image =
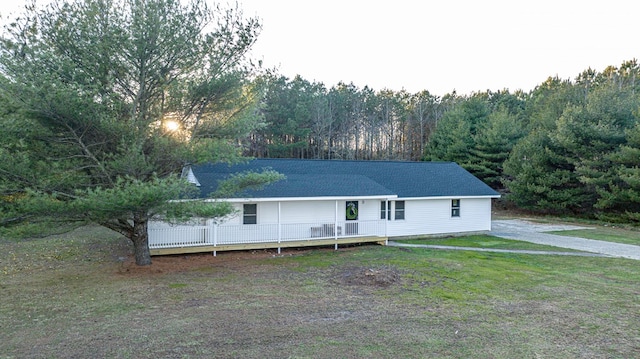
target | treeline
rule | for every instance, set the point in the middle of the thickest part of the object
(306, 120)
(568, 146)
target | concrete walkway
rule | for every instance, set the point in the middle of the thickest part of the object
(533, 232)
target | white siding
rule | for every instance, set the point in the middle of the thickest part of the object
(433, 216)
(267, 212)
(325, 211)
(312, 219)
(424, 216)
(308, 212)
(369, 209)
(237, 217)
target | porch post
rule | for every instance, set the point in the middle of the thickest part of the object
(215, 236)
(387, 218)
(279, 226)
(335, 226)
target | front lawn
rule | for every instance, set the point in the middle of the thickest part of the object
(79, 295)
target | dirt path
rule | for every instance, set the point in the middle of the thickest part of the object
(534, 232)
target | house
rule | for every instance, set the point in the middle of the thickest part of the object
(331, 202)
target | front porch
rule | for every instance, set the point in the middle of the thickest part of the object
(223, 237)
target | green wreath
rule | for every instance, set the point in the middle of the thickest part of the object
(352, 211)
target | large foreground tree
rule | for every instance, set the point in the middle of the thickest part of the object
(107, 101)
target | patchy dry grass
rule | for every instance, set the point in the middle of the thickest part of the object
(79, 295)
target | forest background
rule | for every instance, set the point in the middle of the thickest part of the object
(565, 147)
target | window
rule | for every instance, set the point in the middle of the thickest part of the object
(383, 209)
(399, 210)
(250, 213)
(455, 208)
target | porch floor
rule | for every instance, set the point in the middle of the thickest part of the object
(267, 245)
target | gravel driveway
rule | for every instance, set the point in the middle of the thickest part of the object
(534, 232)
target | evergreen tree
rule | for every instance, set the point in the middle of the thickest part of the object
(539, 174)
(493, 145)
(539, 177)
(454, 137)
(116, 97)
(287, 114)
(605, 140)
(619, 187)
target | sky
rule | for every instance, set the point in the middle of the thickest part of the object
(440, 46)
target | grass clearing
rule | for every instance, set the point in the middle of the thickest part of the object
(79, 295)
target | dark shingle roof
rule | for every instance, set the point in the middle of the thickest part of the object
(331, 178)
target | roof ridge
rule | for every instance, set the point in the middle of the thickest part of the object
(349, 160)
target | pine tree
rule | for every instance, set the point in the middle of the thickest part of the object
(116, 97)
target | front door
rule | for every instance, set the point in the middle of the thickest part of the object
(351, 215)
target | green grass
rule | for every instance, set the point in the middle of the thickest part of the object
(484, 241)
(619, 235)
(73, 296)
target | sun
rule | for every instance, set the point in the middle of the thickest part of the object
(171, 125)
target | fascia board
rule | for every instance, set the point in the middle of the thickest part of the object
(299, 199)
(448, 197)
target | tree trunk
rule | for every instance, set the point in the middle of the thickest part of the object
(140, 239)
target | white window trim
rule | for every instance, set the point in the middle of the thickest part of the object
(452, 207)
(244, 214)
(404, 211)
(383, 212)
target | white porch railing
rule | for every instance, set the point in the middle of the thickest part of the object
(200, 235)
